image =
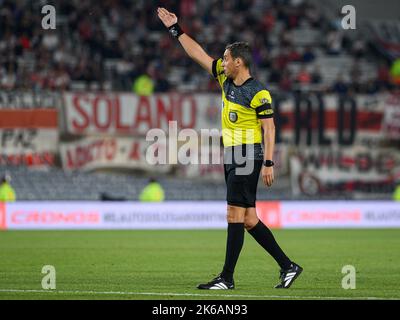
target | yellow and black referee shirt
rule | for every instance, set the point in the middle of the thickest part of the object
(242, 107)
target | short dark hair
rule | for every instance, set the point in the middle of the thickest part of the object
(240, 50)
(5, 178)
(152, 180)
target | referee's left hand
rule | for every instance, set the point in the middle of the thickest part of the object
(267, 174)
(168, 18)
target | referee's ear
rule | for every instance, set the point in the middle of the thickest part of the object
(238, 61)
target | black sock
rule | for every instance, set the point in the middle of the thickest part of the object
(234, 244)
(266, 239)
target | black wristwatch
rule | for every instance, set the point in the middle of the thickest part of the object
(268, 163)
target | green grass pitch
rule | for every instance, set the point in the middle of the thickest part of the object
(169, 264)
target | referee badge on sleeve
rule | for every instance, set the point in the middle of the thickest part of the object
(233, 116)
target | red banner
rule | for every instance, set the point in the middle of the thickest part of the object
(33, 118)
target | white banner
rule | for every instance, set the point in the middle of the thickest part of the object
(330, 214)
(21, 141)
(94, 153)
(113, 215)
(195, 215)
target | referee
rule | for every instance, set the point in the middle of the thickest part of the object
(246, 112)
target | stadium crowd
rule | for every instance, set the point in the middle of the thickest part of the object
(114, 42)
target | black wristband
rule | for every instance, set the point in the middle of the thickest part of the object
(268, 163)
(175, 30)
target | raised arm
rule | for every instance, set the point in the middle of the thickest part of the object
(192, 48)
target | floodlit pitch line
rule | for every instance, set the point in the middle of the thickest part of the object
(190, 294)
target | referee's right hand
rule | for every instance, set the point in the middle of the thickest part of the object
(168, 18)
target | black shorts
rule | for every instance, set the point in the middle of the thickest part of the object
(242, 176)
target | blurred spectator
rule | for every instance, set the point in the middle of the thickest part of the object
(371, 87)
(8, 77)
(187, 8)
(95, 44)
(355, 78)
(50, 40)
(316, 76)
(355, 72)
(268, 21)
(308, 55)
(383, 75)
(275, 74)
(334, 42)
(340, 86)
(395, 71)
(265, 59)
(125, 73)
(314, 16)
(303, 77)
(336, 23)
(293, 55)
(152, 192)
(61, 78)
(143, 85)
(358, 48)
(396, 194)
(290, 15)
(282, 60)
(162, 84)
(285, 83)
(285, 38)
(7, 192)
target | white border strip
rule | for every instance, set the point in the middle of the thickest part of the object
(191, 294)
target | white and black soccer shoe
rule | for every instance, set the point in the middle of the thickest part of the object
(288, 276)
(217, 283)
